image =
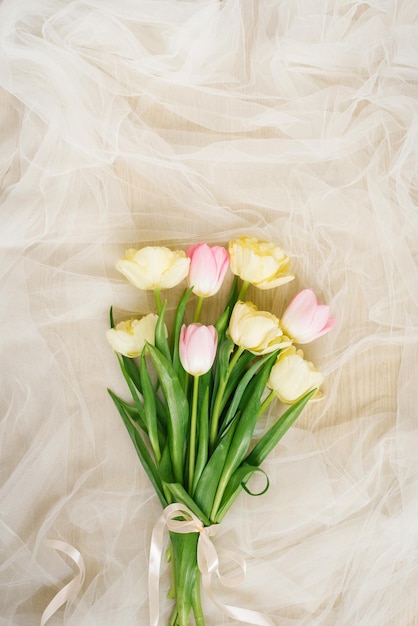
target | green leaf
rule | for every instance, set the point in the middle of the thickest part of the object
(166, 472)
(258, 493)
(271, 438)
(132, 411)
(142, 451)
(241, 388)
(132, 388)
(235, 485)
(181, 496)
(165, 467)
(161, 413)
(161, 340)
(178, 321)
(203, 439)
(236, 375)
(259, 454)
(150, 408)
(177, 407)
(207, 486)
(248, 419)
(205, 382)
(221, 369)
(244, 430)
(132, 371)
(223, 322)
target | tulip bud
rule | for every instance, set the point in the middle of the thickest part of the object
(129, 337)
(262, 264)
(304, 319)
(208, 266)
(256, 331)
(291, 377)
(154, 267)
(197, 348)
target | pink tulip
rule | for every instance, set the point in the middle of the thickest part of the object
(197, 348)
(304, 319)
(208, 267)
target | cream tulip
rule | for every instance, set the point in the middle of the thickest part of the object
(256, 331)
(129, 337)
(262, 264)
(292, 376)
(154, 267)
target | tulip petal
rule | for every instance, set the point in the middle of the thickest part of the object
(292, 377)
(130, 271)
(152, 261)
(304, 319)
(208, 267)
(175, 274)
(262, 264)
(328, 326)
(277, 282)
(129, 337)
(197, 348)
(320, 318)
(154, 267)
(302, 308)
(256, 331)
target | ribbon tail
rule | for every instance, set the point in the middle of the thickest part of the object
(156, 550)
(242, 615)
(73, 587)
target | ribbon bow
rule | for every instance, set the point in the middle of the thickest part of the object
(207, 561)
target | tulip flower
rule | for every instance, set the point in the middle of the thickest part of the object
(129, 337)
(254, 330)
(261, 264)
(304, 319)
(197, 348)
(292, 376)
(208, 266)
(154, 267)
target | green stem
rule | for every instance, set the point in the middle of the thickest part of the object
(167, 494)
(267, 402)
(192, 448)
(169, 558)
(173, 618)
(234, 360)
(186, 573)
(215, 415)
(218, 498)
(197, 605)
(218, 400)
(158, 302)
(186, 384)
(243, 290)
(198, 309)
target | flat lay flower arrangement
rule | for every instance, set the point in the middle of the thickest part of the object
(198, 392)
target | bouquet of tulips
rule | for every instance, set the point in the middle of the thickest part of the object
(197, 393)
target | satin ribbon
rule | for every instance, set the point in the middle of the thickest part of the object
(207, 561)
(73, 587)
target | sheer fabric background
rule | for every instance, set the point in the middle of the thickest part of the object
(179, 121)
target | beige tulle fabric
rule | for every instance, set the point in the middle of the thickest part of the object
(134, 122)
